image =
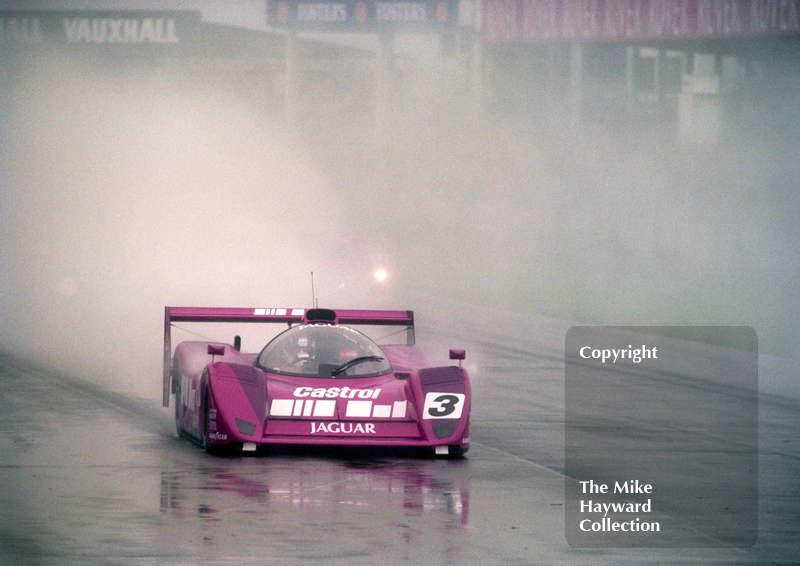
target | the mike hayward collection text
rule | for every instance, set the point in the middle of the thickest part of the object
(606, 523)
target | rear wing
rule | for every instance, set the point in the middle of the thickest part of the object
(272, 315)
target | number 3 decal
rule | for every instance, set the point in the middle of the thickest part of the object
(443, 405)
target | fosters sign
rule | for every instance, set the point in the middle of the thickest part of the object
(363, 14)
(107, 29)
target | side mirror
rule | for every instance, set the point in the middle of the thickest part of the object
(458, 354)
(216, 350)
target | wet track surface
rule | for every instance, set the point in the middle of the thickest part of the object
(92, 477)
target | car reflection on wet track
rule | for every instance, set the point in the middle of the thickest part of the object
(262, 487)
(311, 506)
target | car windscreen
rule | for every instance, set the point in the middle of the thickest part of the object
(323, 351)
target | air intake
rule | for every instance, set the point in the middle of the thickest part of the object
(317, 316)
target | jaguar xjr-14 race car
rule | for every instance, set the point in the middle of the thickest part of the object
(319, 382)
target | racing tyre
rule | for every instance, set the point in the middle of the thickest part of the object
(454, 452)
(209, 447)
(178, 427)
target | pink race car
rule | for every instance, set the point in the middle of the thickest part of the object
(320, 382)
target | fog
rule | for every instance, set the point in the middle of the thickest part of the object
(124, 194)
(126, 189)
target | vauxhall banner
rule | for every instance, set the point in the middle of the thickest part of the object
(115, 30)
(635, 20)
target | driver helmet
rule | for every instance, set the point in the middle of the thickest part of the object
(305, 345)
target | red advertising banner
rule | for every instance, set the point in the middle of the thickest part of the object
(629, 20)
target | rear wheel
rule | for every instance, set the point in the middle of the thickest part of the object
(178, 426)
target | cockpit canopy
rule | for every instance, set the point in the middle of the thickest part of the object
(326, 351)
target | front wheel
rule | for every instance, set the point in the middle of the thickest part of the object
(210, 447)
(453, 451)
(207, 446)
